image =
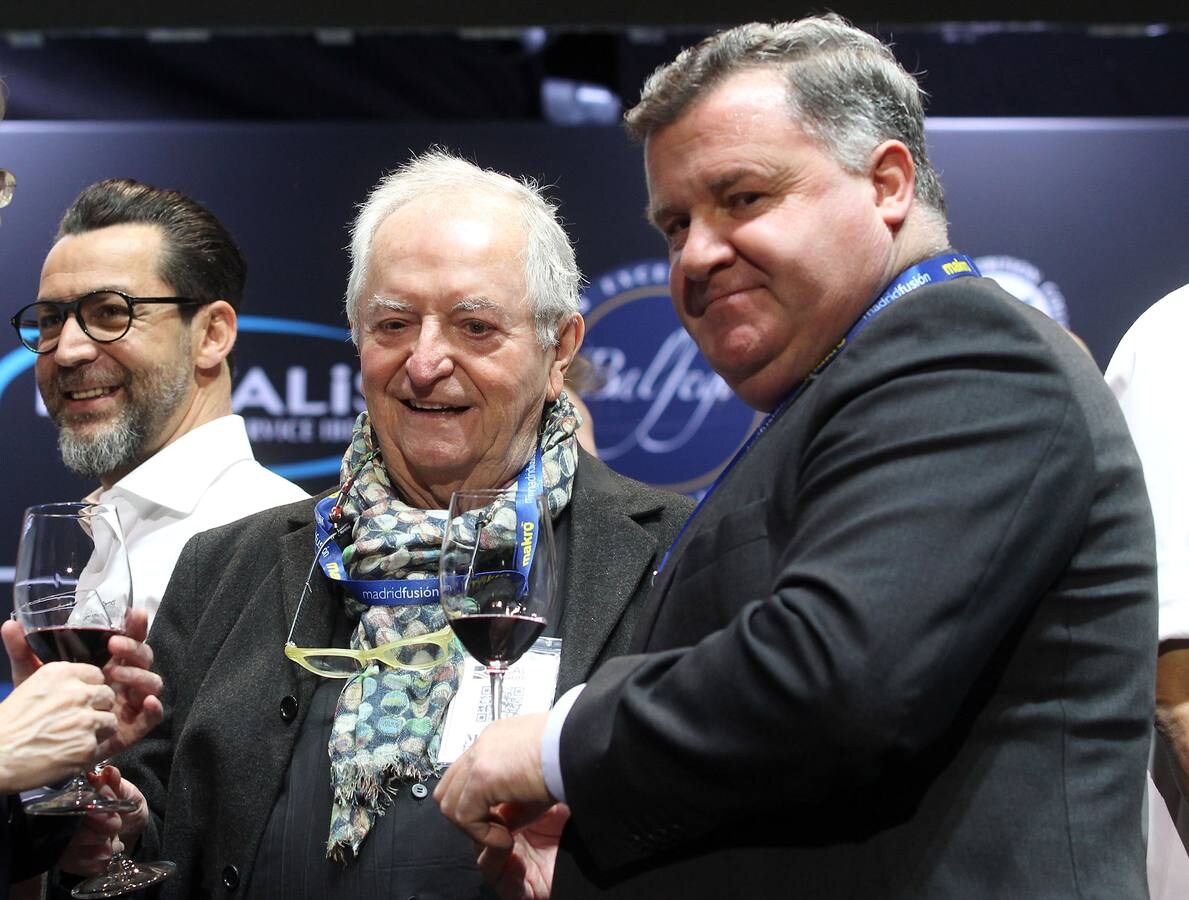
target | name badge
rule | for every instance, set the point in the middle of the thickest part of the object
(529, 686)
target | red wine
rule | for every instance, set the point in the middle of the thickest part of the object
(85, 645)
(492, 638)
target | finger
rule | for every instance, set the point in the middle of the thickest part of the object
(136, 624)
(103, 697)
(22, 661)
(493, 863)
(152, 712)
(149, 716)
(138, 682)
(446, 793)
(516, 815)
(107, 774)
(84, 672)
(102, 825)
(455, 800)
(127, 651)
(86, 858)
(105, 725)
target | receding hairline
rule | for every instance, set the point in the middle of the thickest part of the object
(507, 201)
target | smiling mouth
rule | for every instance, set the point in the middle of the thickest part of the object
(433, 407)
(90, 394)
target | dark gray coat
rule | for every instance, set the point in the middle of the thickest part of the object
(906, 650)
(234, 704)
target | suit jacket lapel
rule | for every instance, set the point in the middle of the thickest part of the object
(609, 557)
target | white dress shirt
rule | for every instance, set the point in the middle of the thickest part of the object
(1148, 374)
(206, 478)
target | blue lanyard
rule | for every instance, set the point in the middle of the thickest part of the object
(945, 267)
(421, 591)
(528, 486)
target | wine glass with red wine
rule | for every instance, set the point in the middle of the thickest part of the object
(71, 589)
(498, 576)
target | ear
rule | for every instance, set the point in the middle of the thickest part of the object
(215, 327)
(894, 178)
(569, 339)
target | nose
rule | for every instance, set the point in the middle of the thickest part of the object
(74, 347)
(706, 250)
(430, 357)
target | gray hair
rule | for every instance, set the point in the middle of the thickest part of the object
(551, 275)
(845, 89)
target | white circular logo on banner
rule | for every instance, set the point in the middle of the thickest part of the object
(1025, 282)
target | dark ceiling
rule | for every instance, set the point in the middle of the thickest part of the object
(67, 14)
(266, 59)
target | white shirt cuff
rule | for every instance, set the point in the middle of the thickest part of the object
(551, 742)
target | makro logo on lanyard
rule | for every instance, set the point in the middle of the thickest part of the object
(420, 591)
(945, 267)
(528, 486)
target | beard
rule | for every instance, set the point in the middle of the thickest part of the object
(122, 443)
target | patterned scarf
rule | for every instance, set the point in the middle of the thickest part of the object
(387, 726)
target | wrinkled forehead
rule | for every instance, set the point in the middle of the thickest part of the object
(446, 267)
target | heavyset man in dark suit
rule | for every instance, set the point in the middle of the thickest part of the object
(904, 647)
(463, 302)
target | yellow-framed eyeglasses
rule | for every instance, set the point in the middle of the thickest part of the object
(412, 653)
(423, 651)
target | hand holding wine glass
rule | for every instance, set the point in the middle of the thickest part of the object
(498, 576)
(72, 596)
(71, 591)
(52, 725)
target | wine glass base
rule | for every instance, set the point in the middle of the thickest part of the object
(75, 803)
(123, 876)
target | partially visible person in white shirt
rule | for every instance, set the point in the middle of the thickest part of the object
(1148, 374)
(134, 324)
(206, 478)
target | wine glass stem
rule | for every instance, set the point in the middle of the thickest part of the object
(496, 674)
(81, 787)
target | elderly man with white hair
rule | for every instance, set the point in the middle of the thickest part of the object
(463, 303)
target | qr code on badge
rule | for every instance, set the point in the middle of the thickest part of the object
(513, 699)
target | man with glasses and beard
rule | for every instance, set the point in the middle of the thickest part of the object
(134, 324)
(62, 716)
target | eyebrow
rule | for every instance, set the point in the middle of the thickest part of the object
(718, 186)
(476, 303)
(388, 303)
(466, 304)
(99, 290)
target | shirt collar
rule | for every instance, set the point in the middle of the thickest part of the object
(177, 475)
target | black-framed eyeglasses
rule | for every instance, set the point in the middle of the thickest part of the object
(104, 316)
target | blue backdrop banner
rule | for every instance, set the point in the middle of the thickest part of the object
(1085, 219)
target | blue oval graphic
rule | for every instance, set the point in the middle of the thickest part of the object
(661, 414)
(298, 406)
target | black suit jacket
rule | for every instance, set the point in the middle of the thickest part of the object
(213, 769)
(28, 844)
(905, 650)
